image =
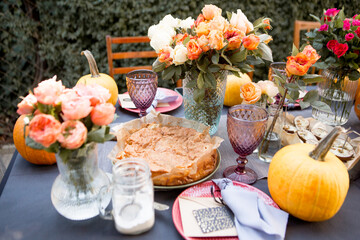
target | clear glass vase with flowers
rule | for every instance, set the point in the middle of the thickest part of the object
(289, 85)
(338, 43)
(70, 122)
(202, 51)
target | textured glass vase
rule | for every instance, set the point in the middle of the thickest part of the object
(74, 192)
(208, 110)
(338, 92)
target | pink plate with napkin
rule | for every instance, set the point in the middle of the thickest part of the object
(170, 106)
(203, 190)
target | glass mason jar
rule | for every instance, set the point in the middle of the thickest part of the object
(74, 192)
(338, 92)
(208, 111)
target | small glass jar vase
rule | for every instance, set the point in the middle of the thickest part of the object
(74, 192)
(208, 110)
(338, 92)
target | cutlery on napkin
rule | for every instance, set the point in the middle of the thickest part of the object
(254, 219)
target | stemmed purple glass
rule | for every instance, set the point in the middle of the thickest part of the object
(142, 86)
(246, 125)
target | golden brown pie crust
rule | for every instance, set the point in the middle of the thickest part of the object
(176, 155)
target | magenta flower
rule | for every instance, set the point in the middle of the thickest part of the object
(349, 36)
(331, 12)
(357, 31)
(347, 24)
(356, 23)
(324, 27)
(354, 16)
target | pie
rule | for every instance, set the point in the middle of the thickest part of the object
(176, 155)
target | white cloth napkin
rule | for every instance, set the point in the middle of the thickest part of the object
(254, 219)
(161, 97)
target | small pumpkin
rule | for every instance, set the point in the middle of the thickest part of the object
(232, 92)
(357, 101)
(39, 157)
(99, 78)
(309, 182)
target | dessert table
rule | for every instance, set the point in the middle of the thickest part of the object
(26, 211)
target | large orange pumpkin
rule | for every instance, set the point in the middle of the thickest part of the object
(307, 182)
(40, 157)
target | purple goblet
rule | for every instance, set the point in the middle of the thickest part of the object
(246, 125)
(142, 86)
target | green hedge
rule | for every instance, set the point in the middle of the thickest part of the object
(42, 38)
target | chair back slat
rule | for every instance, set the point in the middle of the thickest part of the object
(303, 25)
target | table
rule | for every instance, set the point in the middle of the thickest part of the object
(26, 211)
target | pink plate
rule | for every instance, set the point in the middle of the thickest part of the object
(203, 190)
(173, 105)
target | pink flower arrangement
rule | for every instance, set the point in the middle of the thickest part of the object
(341, 36)
(61, 118)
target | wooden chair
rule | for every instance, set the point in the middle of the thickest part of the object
(125, 55)
(303, 25)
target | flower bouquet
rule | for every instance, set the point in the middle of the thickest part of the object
(69, 122)
(338, 43)
(201, 52)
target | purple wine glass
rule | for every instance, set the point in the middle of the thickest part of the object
(246, 125)
(142, 86)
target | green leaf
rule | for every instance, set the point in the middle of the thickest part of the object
(258, 21)
(228, 15)
(281, 75)
(191, 84)
(226, 58)
(199, 95)
(354, 75)
(280, 79)
(210, 78)
(351, 55)
(294, 94)
(315, 17)
(215, 57)
(304, 105)
(266, 52)
(169, 72)
(203, 64)
(245, 68)
(35, 145)
(97, 135)
(200, 81)
(292, 86)
(186, 40)
(311, 34)
(321, 65)
(311, 96)
(317, 45)
(158, 66)
(252, 60)
(312, 78)
(239, 56)
(214, 68)
(294, 51)
(321, 106)
(236, 73)
(65, 154)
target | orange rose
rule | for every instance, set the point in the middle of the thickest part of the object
(298, 65)
(103, 114)
(267, 21)
(311, 53)
(203, 29)
(203, 43)
(199, 19)
(73, 134)
(165, 55)
(250, 93)
(234, 36)
(210, 11)
(216, 39)
(179, 38)
(194, 50)
(44, 129)
(251, 42)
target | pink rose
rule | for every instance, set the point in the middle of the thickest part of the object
(357, 31)
(44, 129)
(354, 16)
(103, 114)
(349, 36)
(48, 91)
(340, 49)
(347, 24)
(331, 44)
(332, 12)
(73, 134)
(94, 92)
(26, 106)
(356, 22)
(66, 95)
(76, 108)
(324, 27)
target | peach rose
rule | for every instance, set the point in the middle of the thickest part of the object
(240, 21)
(298, 65)
(199, 19)
(103, 114)
(268, 87)
(311, 53)
(251, 42)
(250, 93)
(210, 11)
(194, 50)
(165, 55)
(66, 95)
(73, 134)
(44, 129)
(216, 39)
(76, 108)
(95, 93)
(48, 91)
(203, 43)
(27, 105)
(218, 23)
(179, 38)
(203, 29)
(180, 54)
(234, 36)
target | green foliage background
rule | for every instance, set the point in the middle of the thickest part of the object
(40, 39)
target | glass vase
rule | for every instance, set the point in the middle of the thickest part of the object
(75, 191)
(208, 110)
(338, 92)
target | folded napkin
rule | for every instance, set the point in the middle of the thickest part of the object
(161, 97)
(254, 219)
